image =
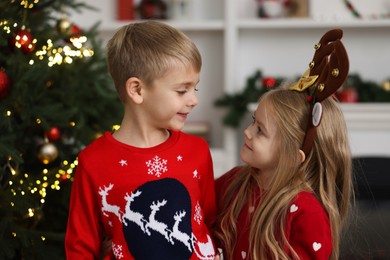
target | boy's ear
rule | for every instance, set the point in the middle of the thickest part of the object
(133, 89)
(301, 156)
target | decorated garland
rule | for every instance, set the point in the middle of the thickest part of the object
(357, 14)
(354, 90)
(237, 103)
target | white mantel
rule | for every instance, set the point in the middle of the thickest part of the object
(369, 128)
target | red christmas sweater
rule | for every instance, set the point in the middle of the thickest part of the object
(153, 203)
(307, 229)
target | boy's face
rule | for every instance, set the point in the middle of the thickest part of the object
(171, 98)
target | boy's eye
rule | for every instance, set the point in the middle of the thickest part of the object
(182, 92)
(253, 119)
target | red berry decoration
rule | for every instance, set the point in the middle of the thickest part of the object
(53, 134)
(269, 82)
(348, 95)
(23, 40)
(4, 84)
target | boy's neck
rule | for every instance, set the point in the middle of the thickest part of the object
(145, 139)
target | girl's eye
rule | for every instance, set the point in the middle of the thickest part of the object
(181, 92)
(253, 120)
(258, 129)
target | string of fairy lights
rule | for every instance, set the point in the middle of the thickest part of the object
(73, 48)
(58, 52)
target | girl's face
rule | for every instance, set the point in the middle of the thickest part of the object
(171, 98)
(260, 147)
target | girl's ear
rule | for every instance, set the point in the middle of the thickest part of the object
(133, 89)
(301, 156)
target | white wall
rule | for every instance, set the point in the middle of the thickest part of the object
(278, 52)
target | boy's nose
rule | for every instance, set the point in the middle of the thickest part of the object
(193, 101)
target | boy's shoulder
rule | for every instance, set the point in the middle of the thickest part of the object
(97, 147)
(189, 141)
(190, 138)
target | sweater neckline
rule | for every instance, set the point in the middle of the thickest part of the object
(172, 139)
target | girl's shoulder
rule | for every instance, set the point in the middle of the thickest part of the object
(222, 182)
(226, 178)
(306, 203)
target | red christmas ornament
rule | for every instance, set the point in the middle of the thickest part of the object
(74, 32)
(53, 134)
(24, 40)
(348, 95)
(269, 82)
(4, 84)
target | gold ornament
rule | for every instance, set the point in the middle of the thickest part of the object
(335, 72)
(64, 25)
(386, 85)
(48, 152)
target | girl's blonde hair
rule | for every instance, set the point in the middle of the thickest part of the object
(327, 172)
(147, 50)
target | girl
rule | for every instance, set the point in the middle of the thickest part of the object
(291, 199)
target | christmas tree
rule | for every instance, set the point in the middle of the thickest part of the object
(56, 97)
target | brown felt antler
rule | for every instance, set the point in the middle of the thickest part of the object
(327, 72)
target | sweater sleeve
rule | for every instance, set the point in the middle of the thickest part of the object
(310, 235)
(84, 230)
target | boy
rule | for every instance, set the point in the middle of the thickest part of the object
(148, 187)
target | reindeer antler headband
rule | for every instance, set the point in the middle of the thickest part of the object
(327, 72)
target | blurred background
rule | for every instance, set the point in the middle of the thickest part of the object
(56, 97)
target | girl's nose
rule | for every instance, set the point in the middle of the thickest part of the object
(247, 132)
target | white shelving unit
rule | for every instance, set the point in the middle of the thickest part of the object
(234, 43)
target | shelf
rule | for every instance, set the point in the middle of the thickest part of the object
(282, 23)
(306, 23)
(185, 25)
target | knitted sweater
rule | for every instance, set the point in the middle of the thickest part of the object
(307, 225)
(152, 203)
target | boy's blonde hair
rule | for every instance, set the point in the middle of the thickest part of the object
(147, 50)
(327, 172)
